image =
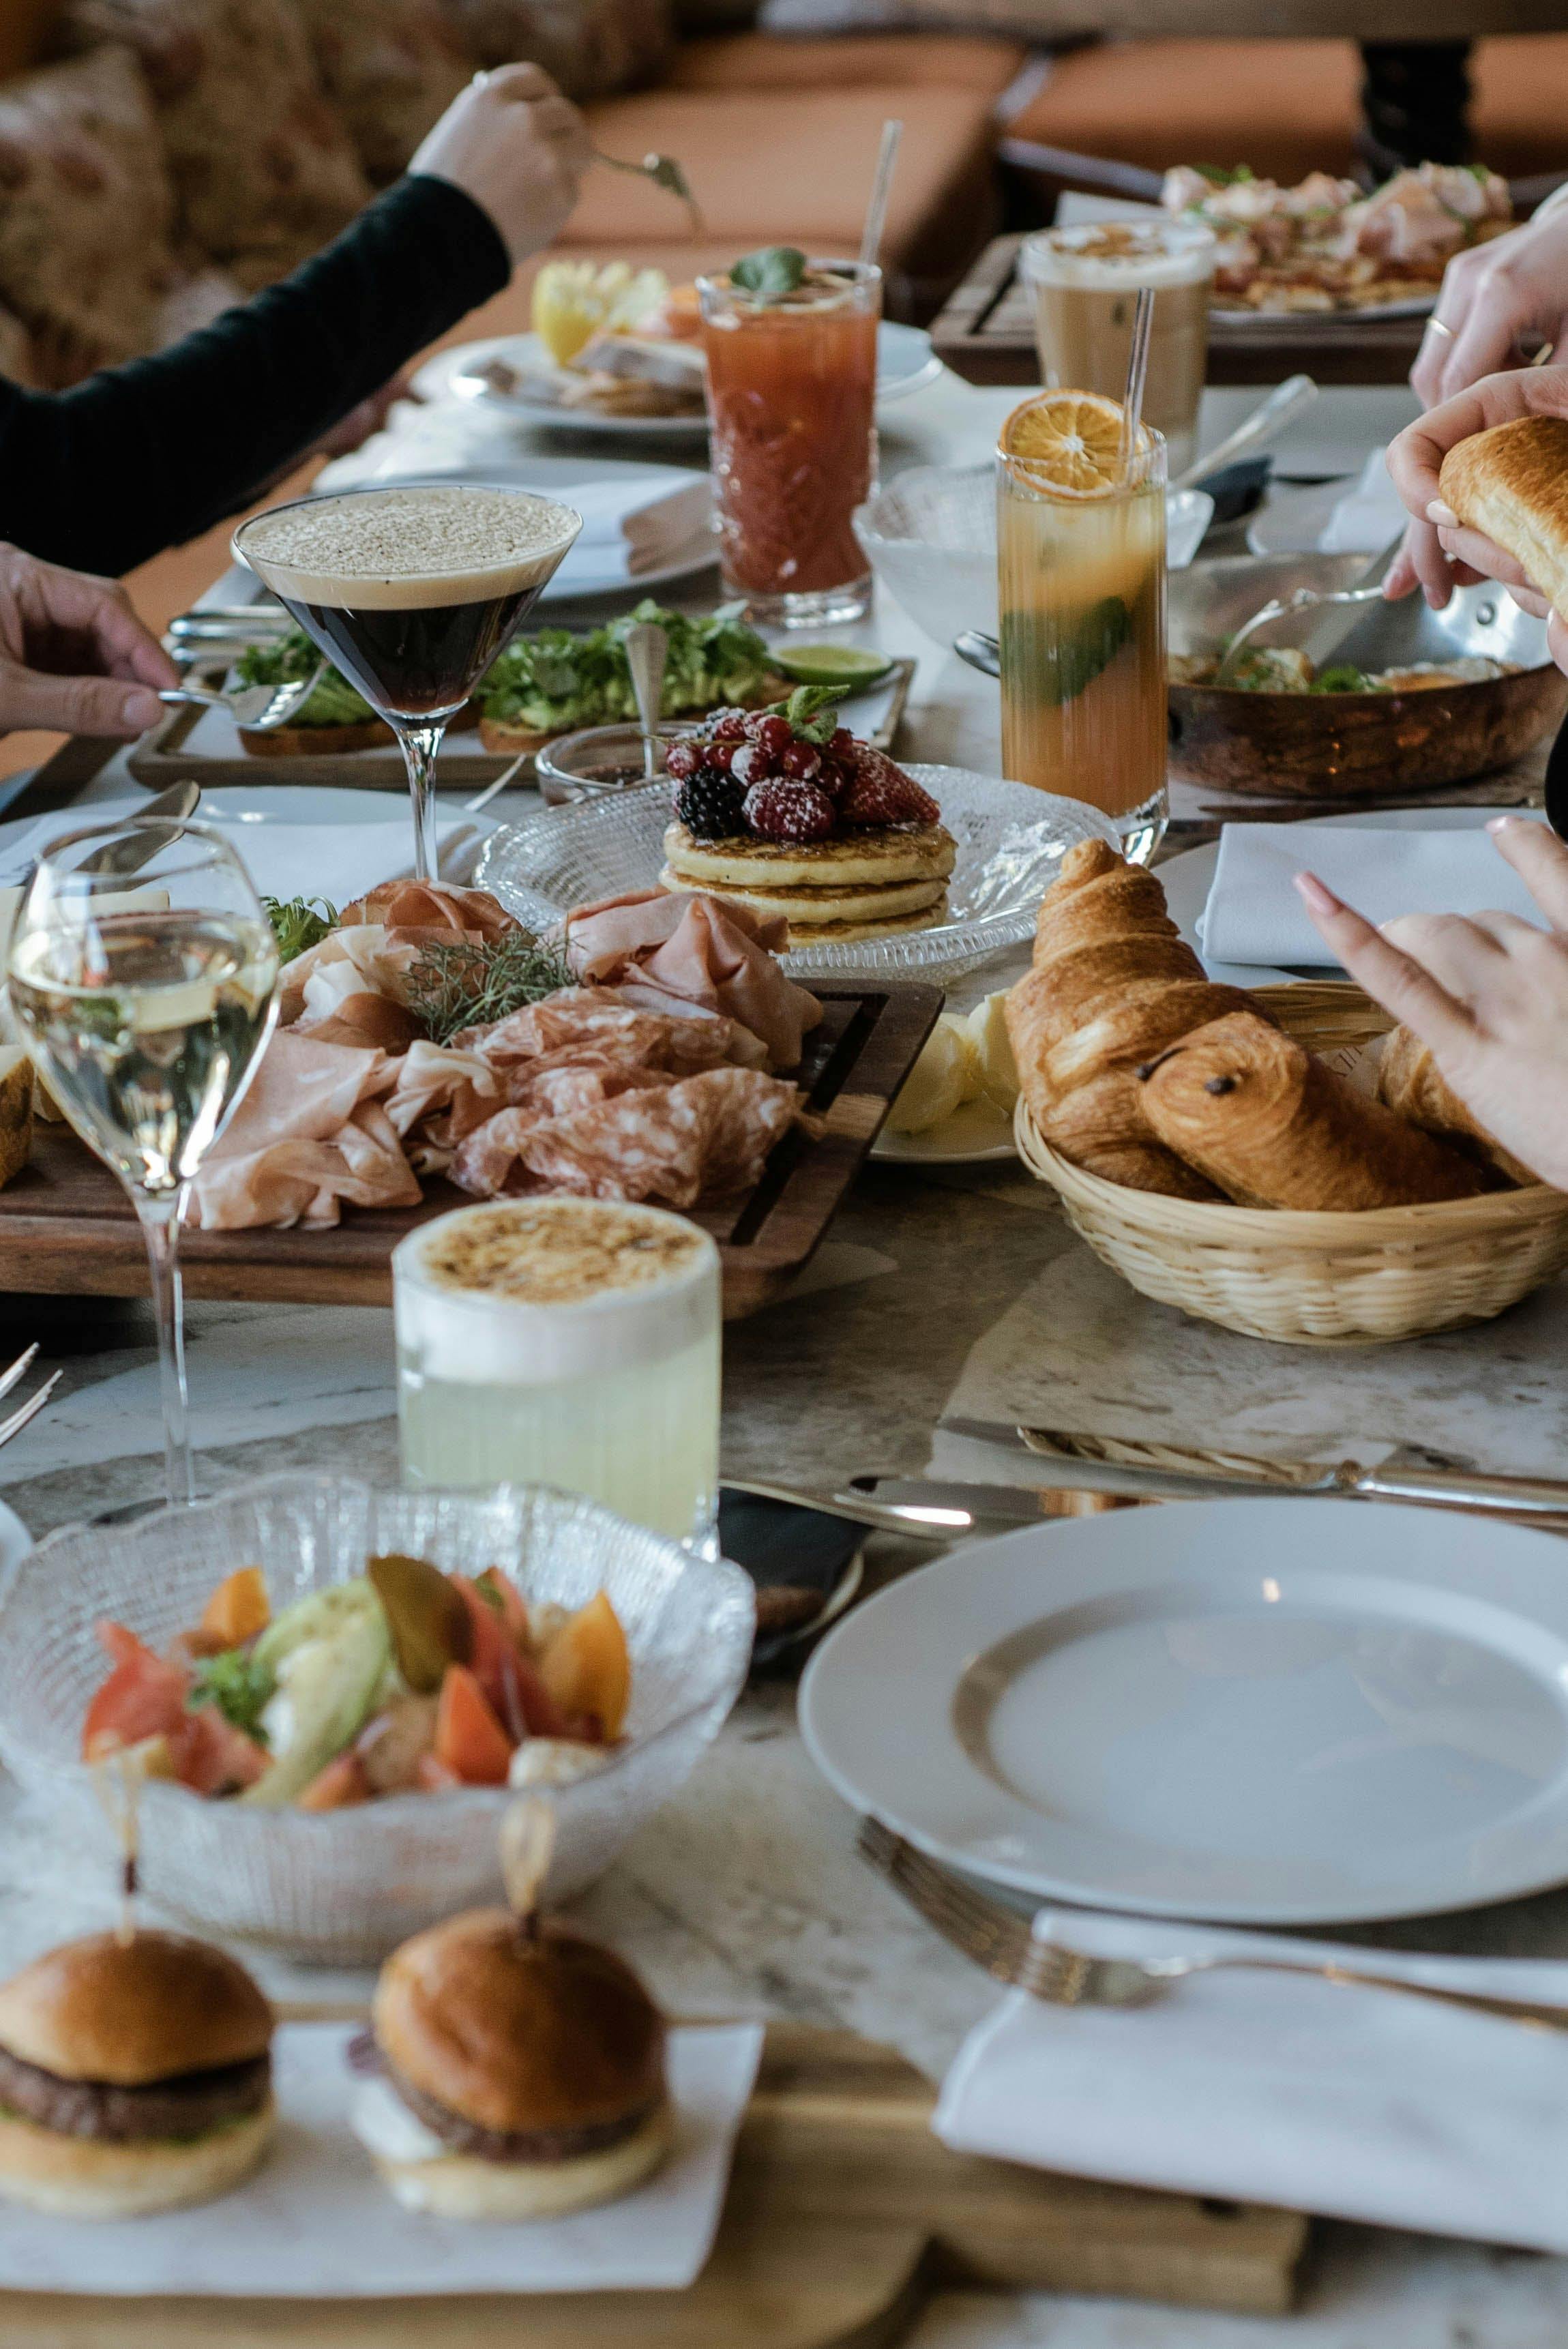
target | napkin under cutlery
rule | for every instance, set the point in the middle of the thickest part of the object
(1333, 2097)
(1253, 914)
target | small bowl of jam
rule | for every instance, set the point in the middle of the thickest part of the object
(602, 759)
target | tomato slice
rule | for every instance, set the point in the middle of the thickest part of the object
(144, 1696)
(510, 1679)
(212, 1757)
(341, 1783)
(468, 1738)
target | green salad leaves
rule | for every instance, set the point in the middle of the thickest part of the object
(335, 702)
(551, 681)
(300, 923)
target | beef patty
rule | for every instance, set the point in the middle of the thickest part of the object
(511, 2145)
(185, 2106)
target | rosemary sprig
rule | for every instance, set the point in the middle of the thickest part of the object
(457, 983)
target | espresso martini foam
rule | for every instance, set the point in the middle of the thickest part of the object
(410, 592)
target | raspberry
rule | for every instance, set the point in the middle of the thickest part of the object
(772, 733)
(881, 793)
(779, 810)
(711, 805)
(683, 758)
(801, 760)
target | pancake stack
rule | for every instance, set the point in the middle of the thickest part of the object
(860, 884)
(785, 812)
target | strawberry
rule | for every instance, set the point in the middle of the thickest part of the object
(776, 808)
(879, 793)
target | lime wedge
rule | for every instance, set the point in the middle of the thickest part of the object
(846, 665)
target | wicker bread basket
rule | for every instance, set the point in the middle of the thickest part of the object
(1316, 1279)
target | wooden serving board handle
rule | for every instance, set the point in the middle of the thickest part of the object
(843, 2213)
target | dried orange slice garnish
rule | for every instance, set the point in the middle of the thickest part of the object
(1070, 440)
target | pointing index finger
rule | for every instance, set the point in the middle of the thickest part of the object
(1394, 979)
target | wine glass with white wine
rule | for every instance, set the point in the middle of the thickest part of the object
(143, 973)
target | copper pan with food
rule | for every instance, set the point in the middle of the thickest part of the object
(1412, 699)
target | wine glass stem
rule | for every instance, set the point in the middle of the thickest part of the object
(421, 745)
(160, 1213)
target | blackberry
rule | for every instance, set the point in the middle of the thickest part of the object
(709, 804)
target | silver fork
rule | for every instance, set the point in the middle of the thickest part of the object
(35, 1403)
(1000, 1941)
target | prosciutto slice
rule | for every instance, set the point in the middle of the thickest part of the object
(663, 949)
(310, 1133)
(591, 1019)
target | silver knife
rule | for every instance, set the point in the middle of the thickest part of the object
(178, 803)
(920, 1507)
(1439, 1487)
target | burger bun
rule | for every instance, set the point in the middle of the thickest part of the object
(88, 2177)
(460, 2186)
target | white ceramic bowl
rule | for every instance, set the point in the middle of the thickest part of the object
(344, 1887)
(930, 536)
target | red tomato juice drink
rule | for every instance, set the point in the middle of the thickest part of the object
(791, 390)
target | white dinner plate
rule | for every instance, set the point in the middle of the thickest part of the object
(972, 1136)
(1257, 1711)
(15, 1541)
(1187, 879)
(905, 363)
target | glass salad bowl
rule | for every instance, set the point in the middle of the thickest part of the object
(344, 1887)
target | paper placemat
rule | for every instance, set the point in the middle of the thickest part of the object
(316, 2222)
(1082, 1352)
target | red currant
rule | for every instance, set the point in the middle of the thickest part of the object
(683, 758)
(728, 724)
(747, 762)
(800, 760)
(843, 745)
(773, 734)
(718, 753)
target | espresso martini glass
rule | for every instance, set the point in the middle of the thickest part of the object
(411, 590)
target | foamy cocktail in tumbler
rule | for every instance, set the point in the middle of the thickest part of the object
(411, 591)
(572, 1342)
(791, 348)
(1080, 583)
(1086, 281)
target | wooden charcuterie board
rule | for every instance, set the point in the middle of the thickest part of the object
(66, 1228)
(844, 2213)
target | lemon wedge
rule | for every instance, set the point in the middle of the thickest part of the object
(944, 1077)
(574, 301)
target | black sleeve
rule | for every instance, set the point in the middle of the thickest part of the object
(147, 455)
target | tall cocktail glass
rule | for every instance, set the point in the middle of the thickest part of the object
(792, 394)
(1085, 282)
(411, 591)
(564, 1342)
(1081, 590)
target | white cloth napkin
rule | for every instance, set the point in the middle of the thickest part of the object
(1367, 517)
(336, 861)
(1254, 915)
(630, 527)
(317, 2221)
(1355, 2103)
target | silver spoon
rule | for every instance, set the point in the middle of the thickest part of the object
(1326, 638)
(647, 647)
(482, 799)
(257, 707)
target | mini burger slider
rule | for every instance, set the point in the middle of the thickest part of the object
(135, 2075)
(521, 2072)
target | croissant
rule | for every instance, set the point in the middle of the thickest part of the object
(1273, 1126)
(1113, 985)
(1410, 1081)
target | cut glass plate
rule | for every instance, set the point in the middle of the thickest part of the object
(1011, 840)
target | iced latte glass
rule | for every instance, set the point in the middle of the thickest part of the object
(1086, 281)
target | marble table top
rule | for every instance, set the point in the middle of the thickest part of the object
(744, 1894)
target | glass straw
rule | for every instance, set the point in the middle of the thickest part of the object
(1137, 375)
(882, 188)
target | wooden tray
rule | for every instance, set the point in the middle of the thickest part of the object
(159, 759)
(985, 333)
(844, 2213)
(66, 1228)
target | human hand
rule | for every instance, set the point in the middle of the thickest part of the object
(1490, 997)
(518, 147)
(1493, 294)
(1438, 554)
(74, 657)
